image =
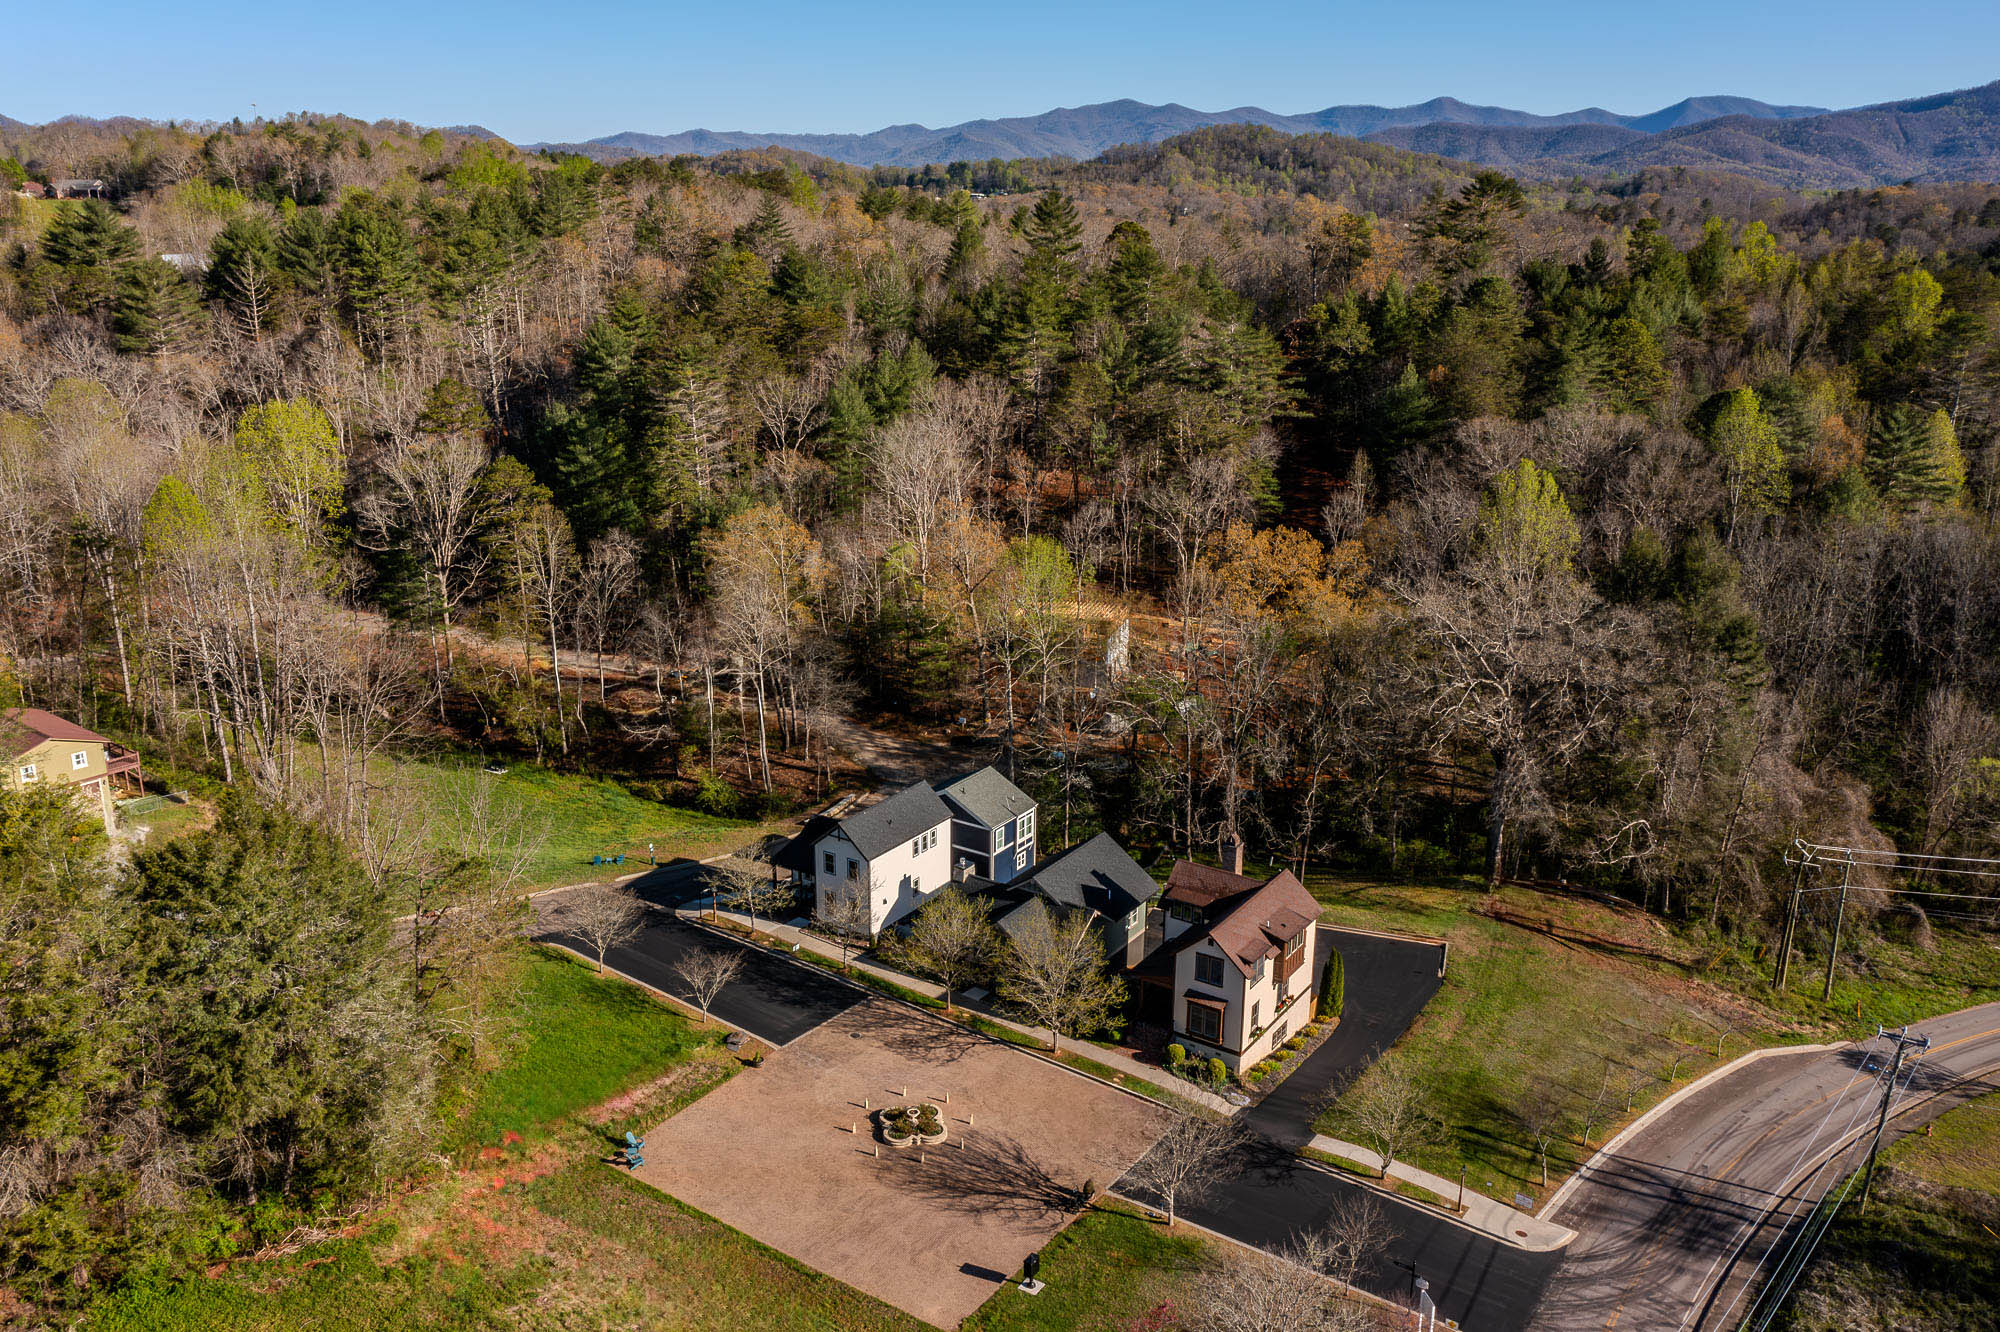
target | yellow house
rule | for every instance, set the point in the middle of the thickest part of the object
(42, 748)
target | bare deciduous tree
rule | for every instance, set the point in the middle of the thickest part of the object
(1186, 1163)
(749, 883)
(1389, 1108)
(1307, 1286)
(706, 972)
(603, 916)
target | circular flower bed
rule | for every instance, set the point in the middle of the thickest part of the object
(903, 1125)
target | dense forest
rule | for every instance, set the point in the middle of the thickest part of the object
(1610, 530)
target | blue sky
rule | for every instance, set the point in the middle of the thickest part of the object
(591, 67)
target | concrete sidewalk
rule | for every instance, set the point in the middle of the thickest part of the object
(1483, 1214)
(803, 941)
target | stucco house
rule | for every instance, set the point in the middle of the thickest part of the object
(44, 749)
(895, 854)
(992, 825)
(1236, 970)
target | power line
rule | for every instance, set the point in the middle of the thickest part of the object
(1890, 1094)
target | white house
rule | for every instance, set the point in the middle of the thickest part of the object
(992, 825)
(1242, 972)
(895, 853)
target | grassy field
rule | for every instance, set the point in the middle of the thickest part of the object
(1925, 1256)
(1566, 1010)
(543, 1235)
(573, 1041)
(582, 817)
(1110, 1270)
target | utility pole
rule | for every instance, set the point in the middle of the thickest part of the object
(1839, 917)
(1791, 926)
(1903, 1041)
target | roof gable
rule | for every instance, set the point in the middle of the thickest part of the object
(1205, 885)
(987, 797)
(21, 729)
(1262, 923)
(1098, 874)
(883, 826)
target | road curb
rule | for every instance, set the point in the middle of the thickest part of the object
(1570, 1185)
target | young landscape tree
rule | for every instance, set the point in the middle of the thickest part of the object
(1186, 1164)
(603, 916)
(1054, 972)
(707, 972)
(952, 939)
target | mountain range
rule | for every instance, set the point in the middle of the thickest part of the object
(1086, 131)
(1945, 136)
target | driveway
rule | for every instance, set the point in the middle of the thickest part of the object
(1270, 1196)
(773, 999)
(1388, 983)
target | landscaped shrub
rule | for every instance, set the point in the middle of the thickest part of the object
(1218, 1072)
(1176, 1056)
(1296, 1043)
(1333, 987)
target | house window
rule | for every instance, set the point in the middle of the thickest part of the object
(79, 760)
(916, 884)
(1021, 858)
(27, 772)
(1256, 1015)
(1278, 1033)
(1026, 824)
(1208, 969)
(827, 858)
(853, 868)
(1204, 1021)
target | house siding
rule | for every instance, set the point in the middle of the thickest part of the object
(54, 765)
(897, 882)
(1239, 1045)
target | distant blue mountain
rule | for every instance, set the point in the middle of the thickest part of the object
(1086, 131)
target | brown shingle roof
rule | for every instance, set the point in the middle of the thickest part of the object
(21, 729)
(1204, 885)
(1261, 924)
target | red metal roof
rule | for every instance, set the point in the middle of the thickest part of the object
(29, 727)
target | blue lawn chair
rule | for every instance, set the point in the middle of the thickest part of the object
(620, 859)
(597, 860)
(633, 1143)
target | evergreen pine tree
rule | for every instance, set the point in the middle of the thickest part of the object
(156, 308)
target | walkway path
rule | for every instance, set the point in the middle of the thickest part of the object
(1482, 1213)
(798, 939)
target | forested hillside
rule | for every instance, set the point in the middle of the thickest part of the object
(1618, 530)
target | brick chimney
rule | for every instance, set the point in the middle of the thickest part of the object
(1229, 853)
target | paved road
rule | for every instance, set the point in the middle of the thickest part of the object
(772, 999)
(1388, 983)
(1679, 1220)
(1270, 1196)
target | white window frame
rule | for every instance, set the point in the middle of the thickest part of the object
(28, 773)
(79, 760)
(1021, 857)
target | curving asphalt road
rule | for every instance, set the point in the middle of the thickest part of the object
(1680, 1219)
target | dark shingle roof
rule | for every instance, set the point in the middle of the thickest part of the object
(797, 854)
(878, 829)
(987, 796)
(1016, 919)
(1097, 874)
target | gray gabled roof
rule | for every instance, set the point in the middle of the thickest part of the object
(1097, 874)
(878, 829)
(987, 797)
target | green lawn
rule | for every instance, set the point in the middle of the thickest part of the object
(1563, 1002)
(1925, 1256)
(1962, 1150)
(1111, 1270)
(575, 1039)
(582, 817)
(684, 1269)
